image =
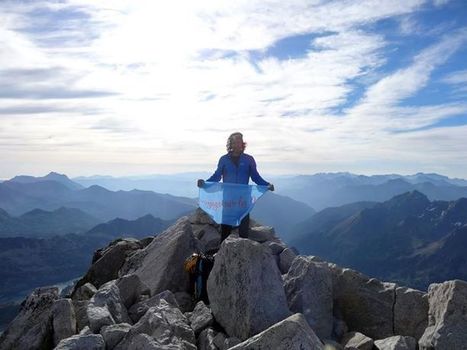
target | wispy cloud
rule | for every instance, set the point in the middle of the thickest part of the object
(165, 83)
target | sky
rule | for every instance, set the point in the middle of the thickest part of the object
(151, 87)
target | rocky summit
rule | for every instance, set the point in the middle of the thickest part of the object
(262, 295)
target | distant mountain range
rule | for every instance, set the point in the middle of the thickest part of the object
(31, 262)
(408, 239)
(40, 223)
(318, 191)
(335, 189)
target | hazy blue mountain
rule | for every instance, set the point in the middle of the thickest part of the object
(52, 176)
(335, 189)
(403, 239)
(42, 223)
(183, 184)
(139, 228)
(18, 197)
(280, 212)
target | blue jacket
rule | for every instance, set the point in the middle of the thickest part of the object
(229, 172)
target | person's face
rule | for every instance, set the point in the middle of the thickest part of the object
(237, 144)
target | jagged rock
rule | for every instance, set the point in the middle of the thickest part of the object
(366, 304)
(206, 339)
(447, 317)
(200, 217)
(291, 333)
(160, 264)
(201, 317)
(219, 340)
(410, 312)
(85, 331)
(245, 288)
(64, 320)
(262, 234)
(131, 288)
(82, 342)
(85, 292)
(308, 286)
(357, 341)
(208, 236)
(108, 261)
(139, 309)
(106, 308)
(113, 334)
(275, 247)
(285, 259)
(81, 313)
(32, 328)
(396, 342)
(166, 326)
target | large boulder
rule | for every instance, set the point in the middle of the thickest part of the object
(82, 342)
(163, 325)
(291, 333)
(245, 288)
(106, 308)
(410, 312)
(107, 262)
(397, 342)
(201, 318)
(160, 264)
(64, 320)
(447, 317)
(308, 286)
(208, 237)
(286, 258)
(32, 328)
(131, 288)
(140, 308)
(357, 341)
(366, 304)
(114, 333)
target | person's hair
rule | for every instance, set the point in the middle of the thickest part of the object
(229, 144)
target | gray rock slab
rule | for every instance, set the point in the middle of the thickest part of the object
(286, 258)
(163, 323)
(84, 292)
(357, 341)
(108, 261)
(396, 342)
(139, 309)
(32, 328)
(113, 334)
(82, 342)
(262, 234)
(208, 236)
(291, 333)
(81, 313)
(160, 264)
(131, 288)
(308, 286)
(63, 320)
(206, 339)
(201, 317)
(245, 288)
(106, 308)
(447, 317)
(410, 312)
(366, 304)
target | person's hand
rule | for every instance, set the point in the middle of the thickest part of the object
(271, 187)
(200, 183)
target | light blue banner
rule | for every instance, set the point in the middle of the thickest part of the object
(228, 203)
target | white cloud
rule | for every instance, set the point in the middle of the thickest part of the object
(170, 102)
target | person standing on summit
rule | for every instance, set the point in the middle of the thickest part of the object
(237, 167)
